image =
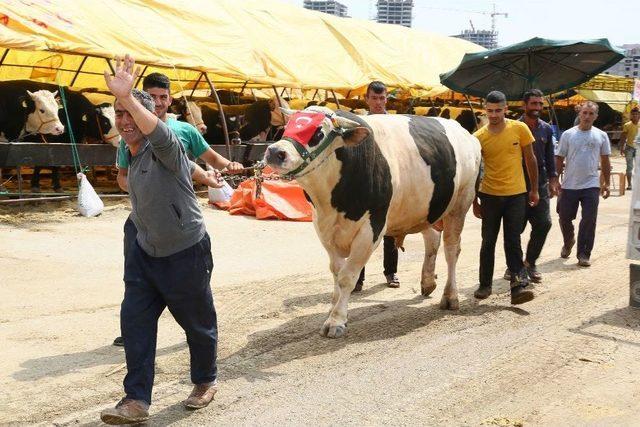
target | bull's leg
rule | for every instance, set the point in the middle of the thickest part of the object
(453, 224)
(361, 249)
(336, 263)
(431, 244)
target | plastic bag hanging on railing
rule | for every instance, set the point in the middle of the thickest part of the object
(89, 204)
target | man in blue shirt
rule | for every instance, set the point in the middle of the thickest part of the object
(538, 216)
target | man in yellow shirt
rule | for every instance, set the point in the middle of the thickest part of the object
(627, 142)
(503, 194)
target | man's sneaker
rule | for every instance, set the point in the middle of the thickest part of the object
(566, 250)
(533, 273)
(482, 292)
(127, 411)
(118, 342)
(358, 287)
(201, 395)
(583, 261)
(507, 275)
(520, 295)
(519, 292)
(392, 280)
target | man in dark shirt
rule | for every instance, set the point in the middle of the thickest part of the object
(169, 264)
(376, 98)
(538, 216)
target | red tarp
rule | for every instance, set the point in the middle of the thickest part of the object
(278, 200)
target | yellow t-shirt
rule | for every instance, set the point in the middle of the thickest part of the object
(631, 130)
(502, 155)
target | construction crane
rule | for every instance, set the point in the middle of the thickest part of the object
(493, 17)
(493, 14)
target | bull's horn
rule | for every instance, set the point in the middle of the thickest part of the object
(55, 93)
(30, 94)
(288, 112)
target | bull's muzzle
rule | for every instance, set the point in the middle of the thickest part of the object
(275, 155)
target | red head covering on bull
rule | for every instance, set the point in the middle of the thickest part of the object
(302, 126)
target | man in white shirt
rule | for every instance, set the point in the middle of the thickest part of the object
(582, 148)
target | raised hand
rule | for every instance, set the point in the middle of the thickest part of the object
(124, 78)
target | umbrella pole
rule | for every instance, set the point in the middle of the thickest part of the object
(223, 121)
(475, 119)
(553, 115)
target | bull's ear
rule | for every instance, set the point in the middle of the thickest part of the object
(84, 117)
(24, 103)
(355, 136)
(345, 123)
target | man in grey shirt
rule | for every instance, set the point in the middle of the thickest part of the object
(170, 263)
(582, 147)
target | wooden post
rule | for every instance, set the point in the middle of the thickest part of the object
(221, 115)
(195, 86)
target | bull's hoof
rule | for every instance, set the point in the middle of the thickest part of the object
(332, 331)
(449, 303)
(428, 289)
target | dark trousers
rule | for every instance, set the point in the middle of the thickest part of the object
(511, 211)
(180, 282)
(539, 217)
(568, 202)
(390, 257)
(55, 177)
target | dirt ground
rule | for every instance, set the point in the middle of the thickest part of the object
(569, 357)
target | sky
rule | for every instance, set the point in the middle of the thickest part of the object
(617, 20)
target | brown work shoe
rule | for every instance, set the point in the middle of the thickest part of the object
(201, 395)
(127, 411)
(520, 295)
(482, 292)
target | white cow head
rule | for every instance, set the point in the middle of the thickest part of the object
(106, 116)
(42, 113)
(310, 136)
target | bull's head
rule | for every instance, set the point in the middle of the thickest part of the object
(310, 134)
(42, 113)
(106, 118)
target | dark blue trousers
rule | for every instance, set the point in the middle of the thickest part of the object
(180, 282)
(539, 217)
(567, 208)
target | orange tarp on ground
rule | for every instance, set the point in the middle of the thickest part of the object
(278, 200)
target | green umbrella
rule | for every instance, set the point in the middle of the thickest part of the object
(548, 65)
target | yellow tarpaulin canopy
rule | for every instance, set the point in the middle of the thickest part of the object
(616, 100)
(605, 82)
(262, 42)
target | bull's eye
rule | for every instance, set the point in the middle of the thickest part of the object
(317, 138)
(42, 110)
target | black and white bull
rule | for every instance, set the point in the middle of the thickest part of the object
(379, 175)
(25, 111)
